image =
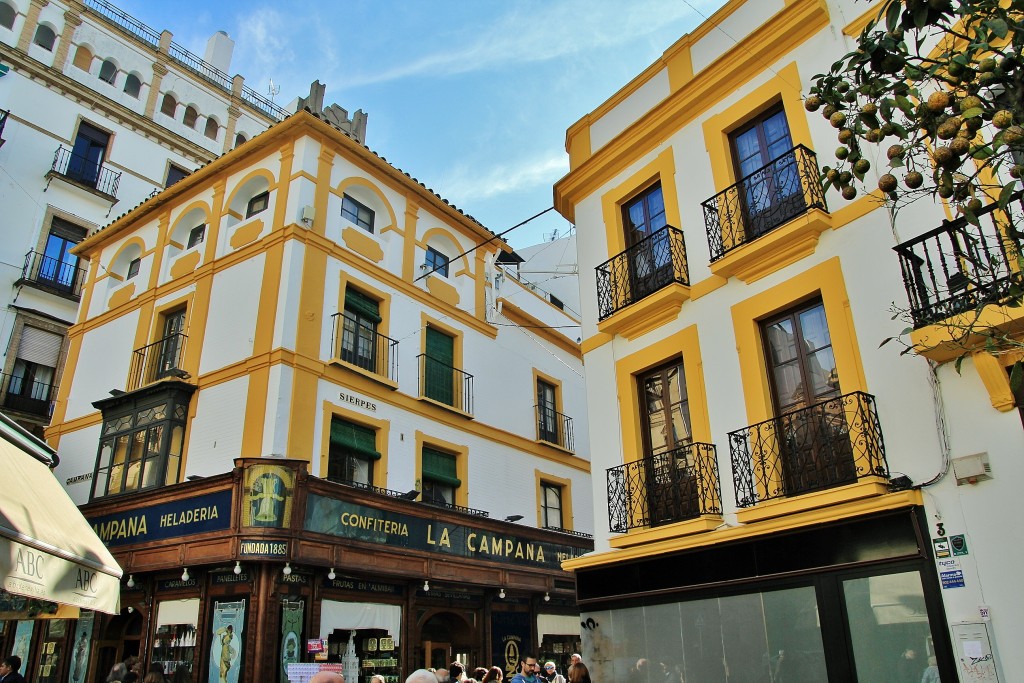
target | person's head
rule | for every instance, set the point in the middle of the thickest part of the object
(182, 674)
(154, 677)
(442, 675)
(479, 673)
(578, 673)
(327, 677)
(528, 665)
(575, 658)
(493, 674)
(376, 678)
(117, 672)
(455, 670)
(10, 665)
(549, 669)
(422, 676)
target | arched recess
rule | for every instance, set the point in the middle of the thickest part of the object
(255, 183)
(212, 129)
(441, 239)
(83, 58)
(132, 249)
(197, 213)
(8, 15)
(108, 71)
(45, 37)
(169, 105)
(133, 84)
(191, 116)
(365, 192)
(239, 139)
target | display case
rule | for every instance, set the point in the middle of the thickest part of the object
(174, 646)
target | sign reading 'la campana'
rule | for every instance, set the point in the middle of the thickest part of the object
(340, 518)
(184, 517)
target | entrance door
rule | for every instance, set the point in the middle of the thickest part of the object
(445, 636)
(436, 655)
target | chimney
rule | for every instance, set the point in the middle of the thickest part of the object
(218, 51)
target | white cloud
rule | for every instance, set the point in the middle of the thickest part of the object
(466, 186)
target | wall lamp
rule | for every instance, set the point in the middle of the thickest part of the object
(331, 575)
(184, 575)
(287, 569)
(426, 586)
(501, 593)
(238, 568)
(131, 581)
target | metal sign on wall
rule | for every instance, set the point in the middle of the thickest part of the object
(364, 523)
(184, 517)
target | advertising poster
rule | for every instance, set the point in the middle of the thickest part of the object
(22, 640)
(80, 648)
(268, 496)
(291, 635)
(228, 629)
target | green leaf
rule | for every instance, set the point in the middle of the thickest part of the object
(998, 26)
(971, 113)
(958, 363)
(892, 15)
(905, 105)
(886, 341)
(1006, 193)
(1016, 376)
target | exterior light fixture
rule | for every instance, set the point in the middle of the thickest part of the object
(131, 581)
(426, 586)
(184, 575)
(287, 569)
(501, 594)
(547, 597)
(238, 568)
(331, 575)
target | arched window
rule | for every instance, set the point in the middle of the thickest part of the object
(83, 58)
(108, 71)
(169, 105)
(191, 116)
(132, 85)
(45, 37)
(211, 128)
(239, 139)
(7, 15)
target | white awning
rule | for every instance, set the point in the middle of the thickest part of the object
(356, 615)
(47, 548)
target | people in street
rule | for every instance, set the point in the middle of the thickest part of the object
(376, 678)
(494, 675)
(579, 673)
(420, 676)
(327, 677)
(456, 672)
(117, 673)
(528, 670)
(551, 673)
(575, 658)
(442, 675)
(9, 670)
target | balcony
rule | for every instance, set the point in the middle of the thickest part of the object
(669, 487)
(553, 427)
(646, 267)
(444, 384)
(160, 360)
(961, 267)
(827, 445)
(3, 122)
(362, 346)
(87, 173)
(53, 275)
(26, 396)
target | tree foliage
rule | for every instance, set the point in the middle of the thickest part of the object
(937, 86)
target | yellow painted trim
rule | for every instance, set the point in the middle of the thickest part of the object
(409, 240)
(683, 345)
(382, 439)
(163, 233)
(661, 169)
(535, 326)
(134, 240)
(869, 487)
(996, 380)
(461, 454)
(858, 208)
(649, 313)
(361, 243)
(184, 264)
(636, 537)
(824, 280)
(121, 296)
(891, 501)
(946, 340)
(857, 26)
(246, 233)
(706, 286)
(258, 172)
(553, 381)
(286, 155)
(339, 190)
(541, 478)
(456, 267)
(439, 288)
(217, 209)
(785, 245)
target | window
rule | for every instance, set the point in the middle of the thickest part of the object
(174, 174)
(196, 236)
(257, 204)
(438, 368)
(239, 139)
(7, 15)
(551, 506)
(647, 243)
(141, 444)
(45, 37)
(108, 71)
(132, 85)
(211, 129)
(436, 262)
(547, 412)
(440, 476)
(770, 190)
(87, 154)
(352, 453)
(191, 116)
(58, 267)
(171, 349)
(556, 302)
(83, 58)
(359, 330)
(133, 268)
(357, 213)
(673, 491)
(814, 448)
(169, 105)
(29, 389)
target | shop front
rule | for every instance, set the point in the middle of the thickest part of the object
(265, 570)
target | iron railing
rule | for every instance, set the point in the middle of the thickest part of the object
(187, 59)
(27, 395)
(3, 122)
(85, 171)
(163, 358)
(960, 266)
(53, 274)
(554, 427)
(362, 346)
(783, 189)
(655, 262)
(832, 443)
(443, 383)
(440, 503)
(570, 532)
(672, 486)
(390, 493)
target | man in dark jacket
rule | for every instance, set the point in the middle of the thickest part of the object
(9, 670)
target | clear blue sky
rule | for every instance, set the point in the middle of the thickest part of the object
(471, 97)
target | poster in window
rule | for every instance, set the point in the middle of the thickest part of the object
(268, 496)
(80, 648)
(228, 639)
(22, 639)
(291, 635)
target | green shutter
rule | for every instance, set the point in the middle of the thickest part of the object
(353, 437)
(362, 304)
(440, 467)
(437, 367)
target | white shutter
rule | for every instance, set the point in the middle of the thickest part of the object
(39, 346)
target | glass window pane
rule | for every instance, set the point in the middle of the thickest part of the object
(781, 341)
(814, 328)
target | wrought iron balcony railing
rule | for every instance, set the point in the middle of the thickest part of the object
(960, 266)
(52, 274)
(161, 359)
(443, 383)
(649, 265)
(26, 395)
(671, 486)
(440, 503)
(85, 171)
(783, 189)
(554, 427)
(3, 122)
(832, 443)
(364, 347)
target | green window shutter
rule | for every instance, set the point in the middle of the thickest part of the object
(440, 467)
(440, 347)
(362, 304)
(438, 377)
(362, 440)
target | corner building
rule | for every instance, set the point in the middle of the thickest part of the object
(301, 404)
(777, 498)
